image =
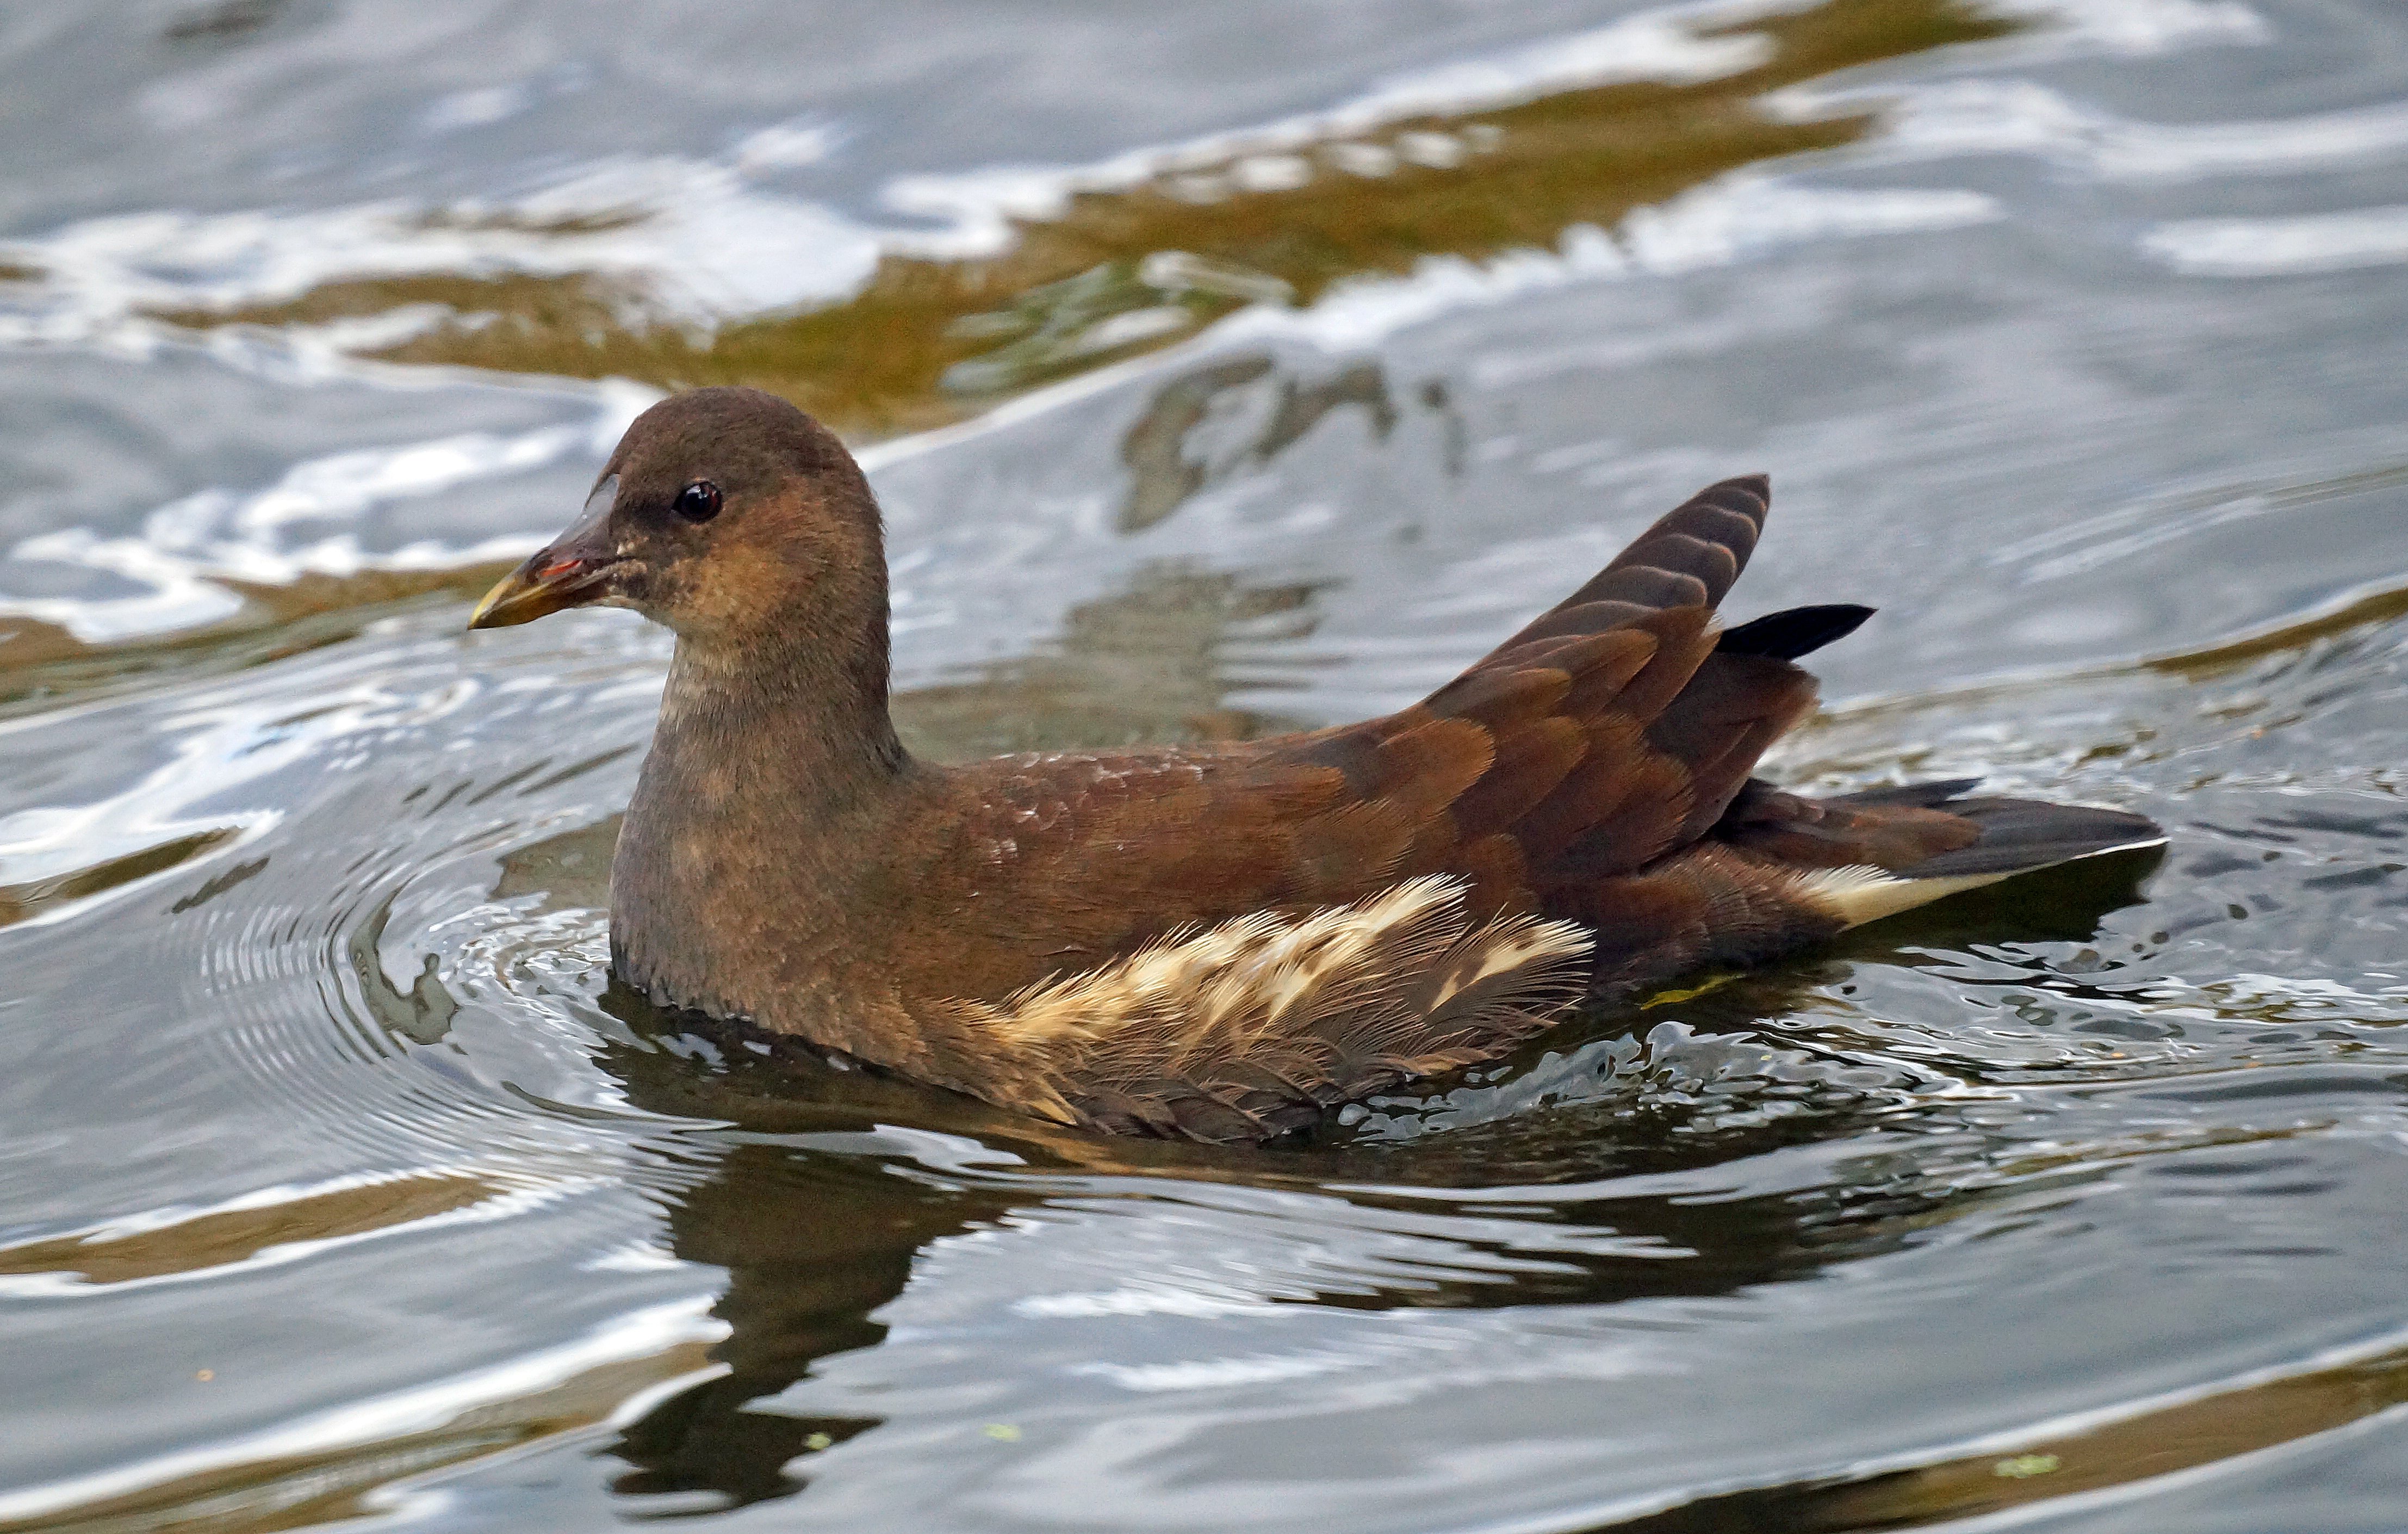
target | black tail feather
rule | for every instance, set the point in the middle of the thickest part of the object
(2019, 834)
(1799, 631)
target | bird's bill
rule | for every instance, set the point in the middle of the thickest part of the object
(557, 578)
(571, 571)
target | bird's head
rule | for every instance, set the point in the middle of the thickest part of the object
(725, 515)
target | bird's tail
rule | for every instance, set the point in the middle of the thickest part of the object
(1867, 855)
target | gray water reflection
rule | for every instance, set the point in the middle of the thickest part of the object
(336, 1182)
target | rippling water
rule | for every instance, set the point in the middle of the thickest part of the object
(338, 1182)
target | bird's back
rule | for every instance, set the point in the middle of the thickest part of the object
(1219, 941)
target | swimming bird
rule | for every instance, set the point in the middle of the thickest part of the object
(1221, 942)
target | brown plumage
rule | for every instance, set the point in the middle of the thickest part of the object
(1216, 941)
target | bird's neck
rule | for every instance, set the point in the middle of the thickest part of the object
(773, 776)
(807, 724)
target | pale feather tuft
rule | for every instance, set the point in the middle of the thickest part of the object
(1303, 1007)
(1862, 893)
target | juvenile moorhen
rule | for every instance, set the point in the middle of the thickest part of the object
(1217, 942)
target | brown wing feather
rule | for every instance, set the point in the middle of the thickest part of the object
(1574, 771)
(1689, 558)
(1880, 832)
(1732, 708)
(1604, 735)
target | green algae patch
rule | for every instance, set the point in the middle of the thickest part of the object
(1115, 273)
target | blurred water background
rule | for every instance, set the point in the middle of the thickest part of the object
(1221, 368)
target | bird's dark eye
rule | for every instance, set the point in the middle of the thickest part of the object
(697, 502)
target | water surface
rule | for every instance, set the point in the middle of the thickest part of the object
(337, 1181)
